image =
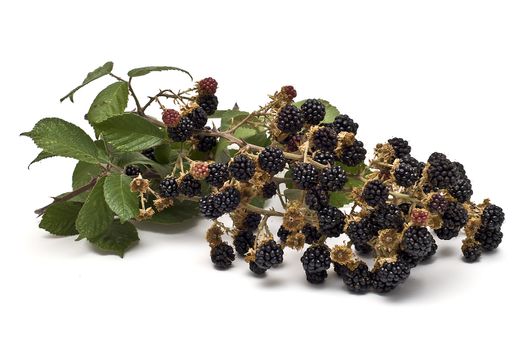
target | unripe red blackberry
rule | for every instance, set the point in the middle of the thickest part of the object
(333, 178)
(311, 233)
(271, 160)
(331, 221)
(168, 187)
(290, 119)
(198, 117)
(305, 175)
(419, 217)
(269, 189)
(417, 241)
(316, 277)
(207, 86)
(344, 123)
(269, 254)
(389, 276)
(352, 155)
(316, 258)
(244, 241)
(182, 131)
(357, 280)
(209, 103)
(189, 186)
(199, 170)
(170, 117)
(325, 158)
(324, 138)
(289, 92)
(375, 193)
(132, 170)
(222, 255)
(313, 111)
(218, 174)
(242, 168)
(401, 147)
(317, 198)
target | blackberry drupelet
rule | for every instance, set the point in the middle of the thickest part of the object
(218, 174)
(189, 186)
(316, 258)
(271, 160)
(417, 241)
(375, 193)
(198, 117)
(442, 172)
(243, 241)
(325, 158)
(205, 143)
(168, 187)
(316, 277)
(242, 168)
(209, 103)
(324, 139)
(313, 111)
(489, 239)
(269, 189)
(389, 276)
(387, 216)
(359, 279)
(149, 153)
(333, 178)
(256, 269)
(344, 123)
(269, 254)
(182, 131)
(408, 171)
(492, 217)
(331, 221)
(222, 255)
(401, 147)
(352, 155)
(207, 86)
(132, 170)
(283, 233)
(251, 221)
(316, 198)
(471, 252)
(290, 119)
(304, 175)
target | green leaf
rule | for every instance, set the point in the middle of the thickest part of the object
(109, 102)
(59, 219)
(83, 173)
(179, 212)
(137, 72)
(339, 199)
(62, 138)
(117, 238)
(41, 156)
(162, 153)
(258, 202)
(130, 132)
(293, 194)
(128, 158)
(119, 198)
(95, 74)
(226, 117)
(330, 111)
(222, 154)
(95, 216)
(244, 132)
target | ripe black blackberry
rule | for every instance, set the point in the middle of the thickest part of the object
(230, 198)
(218, 174)
(352, 155)
(492, 217)
(256, 269)
(269, 254)
(292, 142)
(325, 158)
(324, 139)
(149, 153)
(417, 241)
(489, 238)
(242, 168)
(222, 255)
(132, 170)
(461, 190)
(283, 233)
(389, 275)
(344, 123)
(189, 186)
(359, 279)
(340, 269)
(316, 258)
(168, 187)
(471, 252)
(313, 111)
(333, 178)
(331, 221)
(446, 233)
(198, 117)
(387, 216)
(433, 250)
(408, 171)
(304, 175)
(251, 221)
(181, 132)
(209, 103)
(375, 193)
(243, 241)
(290, 119)
(316, 277)
(361, 232)
(410, 260)
(455, 216)
(442, 172)
(438, 203)
(205, 143)
(269, 189)
(311, 233)
(271, 160)
(401, 147)
(316, 198)
(405, 208)
(215, 205)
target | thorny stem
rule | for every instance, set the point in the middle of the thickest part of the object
(138, 107)
(404, 196)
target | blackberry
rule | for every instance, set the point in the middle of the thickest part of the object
(189, 186)
(304, 175)
(242, 168)
(251, 221)
(375, 193)
(455, 216)
(218, 174)
(132, 170)
(325, 139)
(446, 233)
(405, 208)
(290, 119)
(316, 277)
(471, 252)
(256, 269)
(149, 153)
(333, 178)
(215, 205)
(170, 117)
(359, 279)
(209, 103)
(292, 142)
(271, 160)
(410, 260)
(388, 216)
(205, 143)
(316, 198)
(461, 190)
(331, 221)
(269, 254)
(316, 258)
(231, 199)
(182, 131)
(325, 158)
(442, 172)
(198, 117)
(311, 233)
(340, 269)
(313, 111)
(283, 233)
(168, 187)
(438, 203)
(489, 238)
(361, 232)
(244, 241)
(389, 276)
(417, 241)
(289, 91)
(408, 171)
(433, 250)
(344, 123)
(352, 155)
(207, 86)
(492, 217)
(401, 147)
(269, 189)
(222, 255)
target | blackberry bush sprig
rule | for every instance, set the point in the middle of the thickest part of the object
(163, 158)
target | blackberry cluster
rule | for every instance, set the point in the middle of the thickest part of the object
(344, 123)
(389, 275)
(401, 147)
(269, 189)
(290, 119)
(209, 103)
(271, 160)
(205, 143)
(222, 255)
(198, 117)
(357, 280)
(215, 205)
(244, 241)
(316, 258)
(325, 158)
(352, 155)
(333, 178)
(305, 175)
(325, 139)
(269, 254)
(313, 111)
(132, 170)
(242, 168)
(181, 132)
(218, 174)
(189, 186)
(408, 171)
(375, 193)
(331, 221)
(168, 187)
(317, 198)
(417, 242)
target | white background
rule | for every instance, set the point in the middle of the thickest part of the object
(445, 75)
